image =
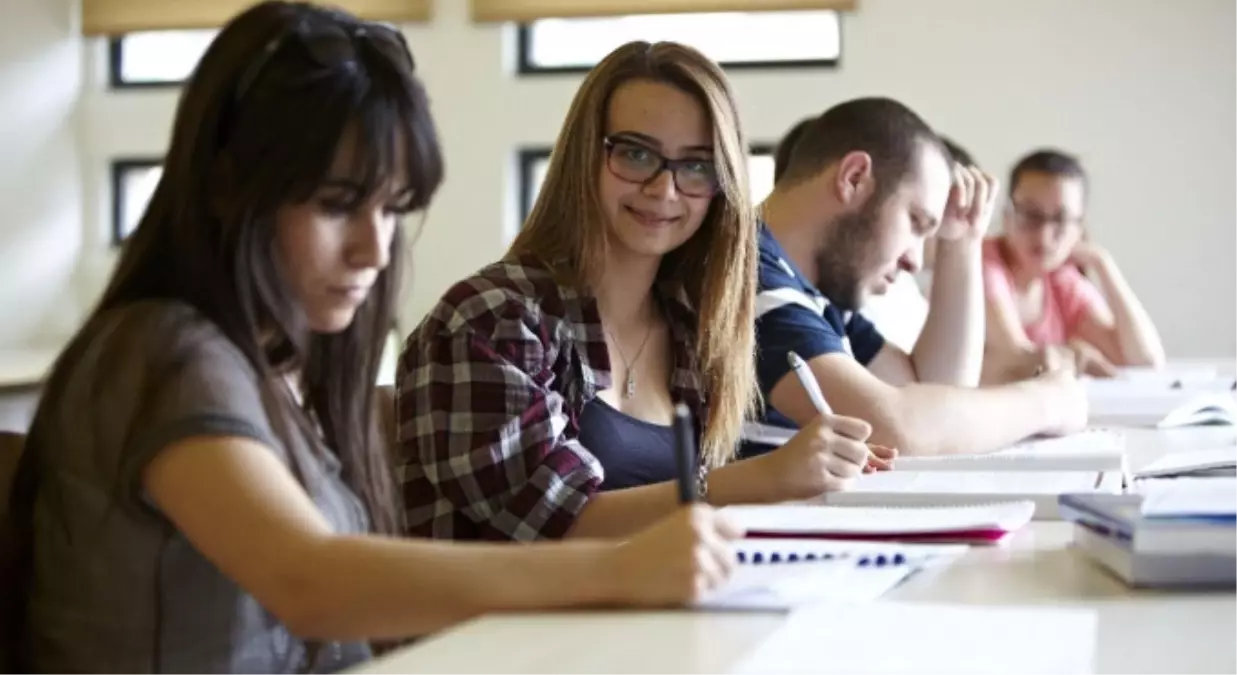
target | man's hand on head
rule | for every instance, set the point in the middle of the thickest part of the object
(972, 202)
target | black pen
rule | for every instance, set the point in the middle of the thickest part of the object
(685, 453)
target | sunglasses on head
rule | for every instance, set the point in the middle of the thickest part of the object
(328, 44)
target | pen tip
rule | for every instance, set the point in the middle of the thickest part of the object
(793, 359)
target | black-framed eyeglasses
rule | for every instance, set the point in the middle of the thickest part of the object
(329, 45)
(1032, 218)
(637, 163)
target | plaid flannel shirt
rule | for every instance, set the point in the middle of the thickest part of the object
(490, 388)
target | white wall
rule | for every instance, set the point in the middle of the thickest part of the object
(40, 171)
(1143, 89)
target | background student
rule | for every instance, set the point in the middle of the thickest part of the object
(204, 487)
(866, 183)
(1041, 305)
(535, 399)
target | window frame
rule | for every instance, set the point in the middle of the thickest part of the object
(120, 167)
(527, 158)
(115, 69)
(525, 66)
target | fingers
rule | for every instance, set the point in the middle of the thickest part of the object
(849, 427)
(964, 185)
(726, 528)
(883, 452)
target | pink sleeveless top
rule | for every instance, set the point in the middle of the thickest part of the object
(1068, 297)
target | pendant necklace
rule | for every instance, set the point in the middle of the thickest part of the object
(629, 388)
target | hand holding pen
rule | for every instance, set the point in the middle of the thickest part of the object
(880, 457)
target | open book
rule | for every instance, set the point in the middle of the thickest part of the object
(1143, 405)
(1209, 462)
(970, 524)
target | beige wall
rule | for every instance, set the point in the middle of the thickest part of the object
(1143, 89)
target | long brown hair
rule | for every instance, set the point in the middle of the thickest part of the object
(716, 268)
(258, 127)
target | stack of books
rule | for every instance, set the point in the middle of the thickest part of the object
(1178, 532)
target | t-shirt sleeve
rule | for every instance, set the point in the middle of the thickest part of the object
(787, 321)
(866, 340)
(996, 277)
(1077, 295)
(168, 374)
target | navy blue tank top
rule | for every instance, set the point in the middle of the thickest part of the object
(631, 451)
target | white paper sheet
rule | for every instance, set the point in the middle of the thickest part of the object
(889, 637)
(1176, 497)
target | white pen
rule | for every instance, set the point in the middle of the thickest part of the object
(808, 380)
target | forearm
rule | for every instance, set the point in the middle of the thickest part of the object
(1136, 334)
(950, 350)
(928, 419)
(379, 588)
(622, 513)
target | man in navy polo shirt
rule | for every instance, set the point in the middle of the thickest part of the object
(866, 182)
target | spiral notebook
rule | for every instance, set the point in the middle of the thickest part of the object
(782, 574)
(981, 523)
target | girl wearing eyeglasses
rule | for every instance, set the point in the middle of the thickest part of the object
(536, 398)
(205, 487)
(1043, 310)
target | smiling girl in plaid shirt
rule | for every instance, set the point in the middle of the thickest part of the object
(535, 399)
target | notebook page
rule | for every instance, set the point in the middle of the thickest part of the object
(852, 572)
(812, 519)
(977, 482)
(1089, 450)
(895, 637)
(1180, 497)
(1191, 460)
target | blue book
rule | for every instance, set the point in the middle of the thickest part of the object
(1171, 549)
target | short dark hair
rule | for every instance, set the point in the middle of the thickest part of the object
(891, 133)
(781, 155)
(957, 152)
(1049, 161)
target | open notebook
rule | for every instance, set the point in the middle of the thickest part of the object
(1209, 462)
(970, 524)
(781, 574)
(1142, 405)
(1093, 450)
(960, 488)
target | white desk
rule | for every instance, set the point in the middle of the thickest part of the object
(1137, 631)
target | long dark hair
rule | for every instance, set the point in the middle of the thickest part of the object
(257, 128)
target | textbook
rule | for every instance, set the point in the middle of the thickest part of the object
(1137, 406)
(982, 523)
(782, 574)
(1171, 533)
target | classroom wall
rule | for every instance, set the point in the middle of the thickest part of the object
(1143, 89)
(40, 170)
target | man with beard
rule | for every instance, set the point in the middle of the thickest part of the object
(865, 184)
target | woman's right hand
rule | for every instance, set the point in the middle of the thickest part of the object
(675, 561)
(825, 456)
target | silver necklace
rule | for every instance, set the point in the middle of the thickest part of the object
(629, 389)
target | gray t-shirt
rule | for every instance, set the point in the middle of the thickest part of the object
(114, 586)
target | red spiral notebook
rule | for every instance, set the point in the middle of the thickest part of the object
(987, 523)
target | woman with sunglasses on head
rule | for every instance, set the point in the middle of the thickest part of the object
(535, 400)
(205, 487)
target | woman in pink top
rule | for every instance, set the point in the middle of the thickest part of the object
(1042, 308)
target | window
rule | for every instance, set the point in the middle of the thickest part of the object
(157, 58)
(133, 184)
(535, 161)
(733, 39)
